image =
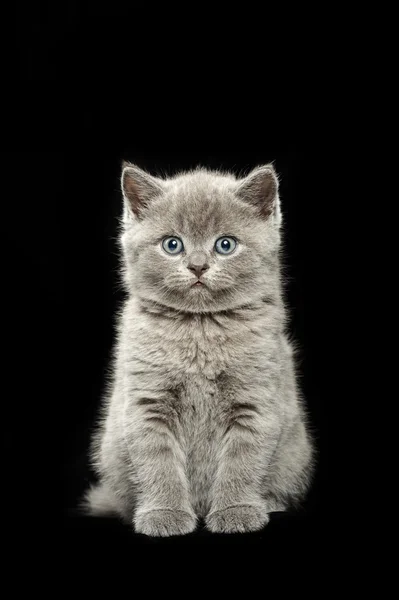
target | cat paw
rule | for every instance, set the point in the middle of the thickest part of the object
(237, 519)
(165, 522)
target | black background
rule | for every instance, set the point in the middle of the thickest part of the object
(86, 106)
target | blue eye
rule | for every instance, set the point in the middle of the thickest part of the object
(225, 245)
(172, 245)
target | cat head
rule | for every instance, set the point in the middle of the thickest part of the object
(201, 241)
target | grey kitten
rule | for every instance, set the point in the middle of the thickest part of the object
(203, 419)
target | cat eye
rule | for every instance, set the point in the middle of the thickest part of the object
(225, 245)
(172, 245)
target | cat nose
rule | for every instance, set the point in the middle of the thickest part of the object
(198, 266)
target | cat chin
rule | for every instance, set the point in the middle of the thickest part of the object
(196, 287)
(197, 304)
(194, 300)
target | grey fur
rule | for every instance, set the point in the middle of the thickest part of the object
(203, 419)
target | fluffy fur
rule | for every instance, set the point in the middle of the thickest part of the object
(203, 419)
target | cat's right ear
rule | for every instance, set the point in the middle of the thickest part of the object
(139, 189)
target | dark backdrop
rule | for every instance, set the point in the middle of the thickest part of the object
(64, 160)
(71, 260)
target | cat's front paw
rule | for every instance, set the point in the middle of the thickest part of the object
(237, 519)
(165, 522)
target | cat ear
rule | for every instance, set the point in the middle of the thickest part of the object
(138, 188)
(260, 188)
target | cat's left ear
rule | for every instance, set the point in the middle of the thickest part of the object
(260, 188)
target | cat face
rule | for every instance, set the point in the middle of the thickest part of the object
(202, 241)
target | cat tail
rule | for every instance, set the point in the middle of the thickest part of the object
(100, 501)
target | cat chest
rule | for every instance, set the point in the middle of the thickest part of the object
(191, 352)
(194, 359)
(201, 414)
(200, 399)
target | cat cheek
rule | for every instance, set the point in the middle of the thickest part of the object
(174, 281)
(151, 278)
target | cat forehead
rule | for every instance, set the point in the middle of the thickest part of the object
(201, 211)
(201, 179)
(200, 190)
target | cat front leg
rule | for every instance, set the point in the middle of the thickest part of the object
(163, 506)
(248, 444)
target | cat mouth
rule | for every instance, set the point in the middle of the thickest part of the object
(198, 284)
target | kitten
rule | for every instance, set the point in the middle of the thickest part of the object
(203, 420)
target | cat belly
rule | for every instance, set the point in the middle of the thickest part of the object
(202, 433)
